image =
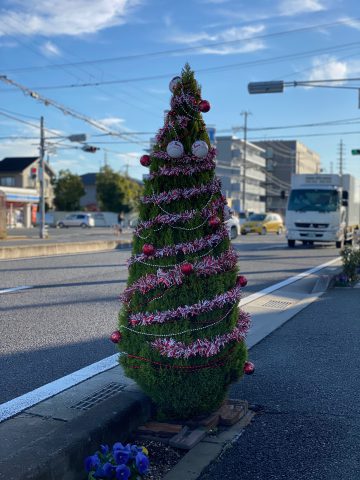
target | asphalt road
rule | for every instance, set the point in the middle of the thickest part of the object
(62, 323)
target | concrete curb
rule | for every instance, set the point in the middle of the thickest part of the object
(28, 251)
(59, 453)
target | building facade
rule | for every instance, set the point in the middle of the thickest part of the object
(234, 176)
(19, 182)
(283, 158)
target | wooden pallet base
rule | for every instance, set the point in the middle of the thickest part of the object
(186, 434)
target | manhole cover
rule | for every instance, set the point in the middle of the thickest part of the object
(282, 304)
(99, 396)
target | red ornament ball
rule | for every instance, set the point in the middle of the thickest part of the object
(249, 368)
(204, 106)
(148, 249)
(214, 222)
(115, 337)
(241, 280)
(186, 268)
(145, 160)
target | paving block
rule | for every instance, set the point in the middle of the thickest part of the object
(187, 438)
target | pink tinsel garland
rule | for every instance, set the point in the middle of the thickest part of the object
(173, 218)
(189, 247)
(168, 347)
(184, 170)
(204, 267)
(183, 193)
(219, 301)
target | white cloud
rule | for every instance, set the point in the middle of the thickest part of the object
(66, 17)
(235, 40)
(296, 7)
(351, 22)
(18, 148)
(327, 67)
(50, 49)
(111, 121)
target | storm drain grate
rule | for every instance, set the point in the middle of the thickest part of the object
(277, 304)
(99, 396)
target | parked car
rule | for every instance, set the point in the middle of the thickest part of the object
(83, 220)
(263, 223)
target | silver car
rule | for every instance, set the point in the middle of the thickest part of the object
(83, 220)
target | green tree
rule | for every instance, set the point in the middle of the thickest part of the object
(115, 192)
(180, 328)
(68, 189)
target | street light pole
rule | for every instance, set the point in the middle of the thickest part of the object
(42, 232)
(245, 113)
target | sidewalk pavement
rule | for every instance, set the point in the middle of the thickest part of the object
(25, 243)
(305, 393)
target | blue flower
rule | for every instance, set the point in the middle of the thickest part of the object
(122, 472)
(134, 450)
(104, 449)
(108, 469)
(122, 455)
(142, 463)
(91, 462)
(118, 445)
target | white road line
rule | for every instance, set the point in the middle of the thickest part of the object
(17, 405)
(288, 281)
(15, 289)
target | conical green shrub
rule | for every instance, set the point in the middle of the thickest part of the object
(181, 328)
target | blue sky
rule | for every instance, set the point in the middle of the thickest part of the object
(55, 48)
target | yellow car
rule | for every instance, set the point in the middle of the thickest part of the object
(263, 223)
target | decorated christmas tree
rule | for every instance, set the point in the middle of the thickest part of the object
(181, 332)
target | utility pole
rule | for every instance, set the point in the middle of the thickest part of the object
(42, 232)
(341, 158)
(245, 113)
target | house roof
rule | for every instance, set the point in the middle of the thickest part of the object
(16, 164)
(88, 178)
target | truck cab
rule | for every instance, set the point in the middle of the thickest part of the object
(322, 208)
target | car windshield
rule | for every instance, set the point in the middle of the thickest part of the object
(257, 217)
(314, 200)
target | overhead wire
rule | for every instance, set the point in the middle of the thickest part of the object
(188, 49)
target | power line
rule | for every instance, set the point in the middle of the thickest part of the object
(67, 110)
(205, 70)
(185, 49)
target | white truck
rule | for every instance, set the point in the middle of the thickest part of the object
(323, 208)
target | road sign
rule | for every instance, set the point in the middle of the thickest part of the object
(355, 151)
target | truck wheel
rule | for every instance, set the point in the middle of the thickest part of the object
(61, 225)
(291, 243)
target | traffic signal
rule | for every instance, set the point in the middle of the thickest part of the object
(356, 151)
(33, 173)
(89, 149)
(282, 194)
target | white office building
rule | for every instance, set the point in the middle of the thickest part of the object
(241, 169)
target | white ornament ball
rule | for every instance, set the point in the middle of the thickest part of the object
(175, 149)
(174, 83)
(200, 148)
